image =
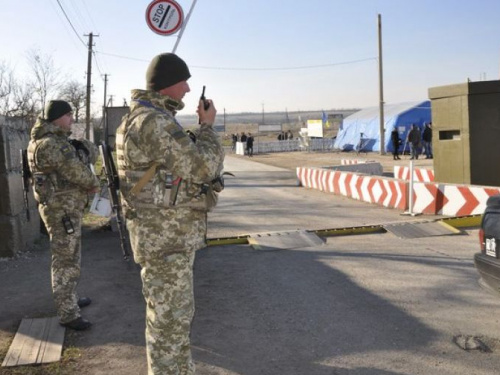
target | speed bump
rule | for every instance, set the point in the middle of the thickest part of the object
(421, 229)
(284, 240)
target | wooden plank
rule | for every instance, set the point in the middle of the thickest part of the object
(36, 341)
(53, 342)
(32, 343)
(17, 345)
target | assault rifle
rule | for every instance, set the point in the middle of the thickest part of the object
(26, 175)
(114, 187)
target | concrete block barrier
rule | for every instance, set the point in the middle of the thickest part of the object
(419, 174)
(371, 189)
(428, 197)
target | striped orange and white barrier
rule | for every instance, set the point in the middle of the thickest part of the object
(371, 189)
(355, 161)
(451, 199)
(419, 174)
(428, 198)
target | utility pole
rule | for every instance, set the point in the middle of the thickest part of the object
(88, 133)
(104, 117)
(381, 87)
(224, 120)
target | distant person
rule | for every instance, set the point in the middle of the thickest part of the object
(250, 145)
(234, 139)
(243, 137)
(427, 140)
(289, 135)
(414, 138)
(396, 141)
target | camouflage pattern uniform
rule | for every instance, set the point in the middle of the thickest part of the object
(61, 181)
(166, 219)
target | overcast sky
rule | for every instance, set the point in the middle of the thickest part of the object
(271, 55)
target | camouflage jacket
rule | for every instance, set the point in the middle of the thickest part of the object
(150, 138)
(56, 167)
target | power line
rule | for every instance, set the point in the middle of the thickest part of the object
(261, 69)
(289, 68)
(69, 21)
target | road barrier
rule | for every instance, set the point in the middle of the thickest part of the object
(428, 197)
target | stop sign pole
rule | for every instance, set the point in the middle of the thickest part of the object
(184, 26)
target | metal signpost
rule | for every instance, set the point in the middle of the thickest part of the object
(165, 17)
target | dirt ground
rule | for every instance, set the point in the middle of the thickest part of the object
(291, 160)
(120, 347)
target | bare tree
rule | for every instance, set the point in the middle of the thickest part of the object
(46, 75)
(6, 88)
(16, 99)
(26, 105)
(74, 93)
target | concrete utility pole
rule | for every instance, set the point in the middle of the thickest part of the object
(381, 87)
(88, 133)
(104, 117)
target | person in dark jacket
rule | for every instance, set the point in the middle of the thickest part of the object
(414, 139)
(427, 140)
(250, 145)
(395, 144)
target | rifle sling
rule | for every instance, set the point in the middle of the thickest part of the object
(136, 189)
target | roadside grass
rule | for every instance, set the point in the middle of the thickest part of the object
(68, 365)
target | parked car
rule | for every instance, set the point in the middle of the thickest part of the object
(488, 260)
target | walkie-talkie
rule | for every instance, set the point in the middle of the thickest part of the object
(206, 104)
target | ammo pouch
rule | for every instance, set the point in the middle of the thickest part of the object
(48, 186)
(43, 187)
(155, 188)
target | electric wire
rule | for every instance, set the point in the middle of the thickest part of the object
(69, 21)
(254, 69)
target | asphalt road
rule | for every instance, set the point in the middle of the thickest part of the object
(358, 305)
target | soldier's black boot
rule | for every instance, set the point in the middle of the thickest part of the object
(78, 324)
(84, 301)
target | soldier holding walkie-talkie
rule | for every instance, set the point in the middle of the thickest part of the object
(169, 179)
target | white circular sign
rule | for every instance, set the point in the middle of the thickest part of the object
(164, 17)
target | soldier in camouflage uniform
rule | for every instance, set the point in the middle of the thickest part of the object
(62, 180)
(166, 182)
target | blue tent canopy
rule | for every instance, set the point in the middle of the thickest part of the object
(361, 130)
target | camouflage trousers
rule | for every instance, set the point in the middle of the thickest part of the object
(66, 257)
(167, 285)
(164, 244)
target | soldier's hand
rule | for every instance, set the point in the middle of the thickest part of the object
(207, 116)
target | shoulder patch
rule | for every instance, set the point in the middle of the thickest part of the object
(177, 132)
(68, 151)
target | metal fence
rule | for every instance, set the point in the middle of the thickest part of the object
(301, 144)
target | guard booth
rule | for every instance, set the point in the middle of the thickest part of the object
(466, 133)
(112, 120)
